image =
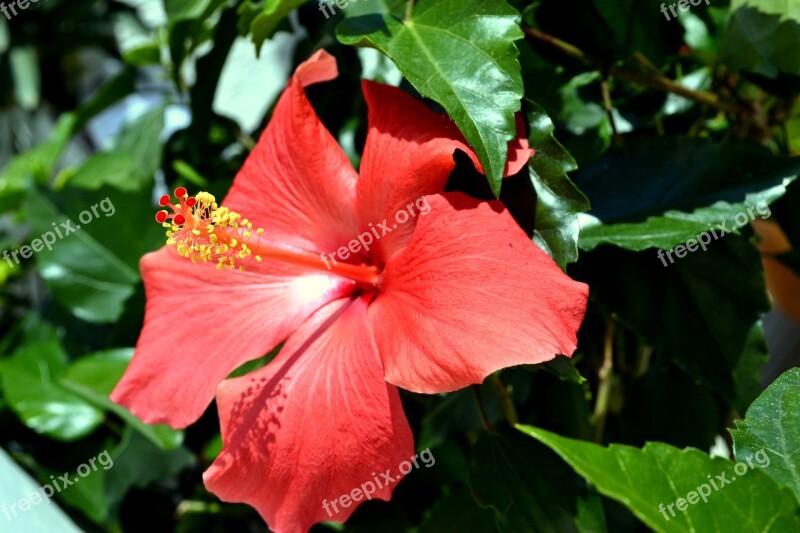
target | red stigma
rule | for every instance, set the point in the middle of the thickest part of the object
(179, 220)
(161, 217)
(180, 192)
(191, 201)
(164, 200)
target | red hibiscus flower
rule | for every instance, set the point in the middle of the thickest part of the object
(437, 300)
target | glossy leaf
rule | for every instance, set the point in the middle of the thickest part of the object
(558, 200)
(772, 424)
(650, 480)
(31, 386)
(94, 376)
(462, 55)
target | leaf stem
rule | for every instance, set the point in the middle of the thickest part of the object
(607, 105)
(505, 399)
(481, 409)
(409, 9)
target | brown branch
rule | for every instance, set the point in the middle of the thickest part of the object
(605, 381)
(653, 78)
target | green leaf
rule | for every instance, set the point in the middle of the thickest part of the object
(186, 9)
(135, 451)
(94, 376)
(30, 382)
(772, 427)
(83, 274)
(86, 494)
(676, 227)
(786, 9)
(42, 518)
(130, 165)
(263, 22)
(708, 303)
(521, 483)
(455, 513)
(141, 140)
(106, 168)
(762, 37)
(558, 200)
(650, 480)
(664, 192)
(747, 373)
(564, 368)
(460, 53)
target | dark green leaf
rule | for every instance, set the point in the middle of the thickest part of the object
(663, 192)
(456, 513)
(747, 373)
(558, 200)
(564, 368)
(84, 275)
(135, 451)
(708, 303)
(762, 37)
(520, 483)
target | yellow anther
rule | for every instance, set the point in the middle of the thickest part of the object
(212, 233)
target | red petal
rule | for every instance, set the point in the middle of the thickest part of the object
(315, 424)
(202, 323)
(409, 154)
(519, 151)
(298, 184)
(470, 295)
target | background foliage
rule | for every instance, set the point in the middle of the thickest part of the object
(663, 128)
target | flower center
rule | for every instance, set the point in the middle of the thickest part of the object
(204, 232)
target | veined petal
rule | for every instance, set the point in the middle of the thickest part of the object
(471, 294)
(313, 425)
(202, 323)
(409, 154)
(297, 183)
